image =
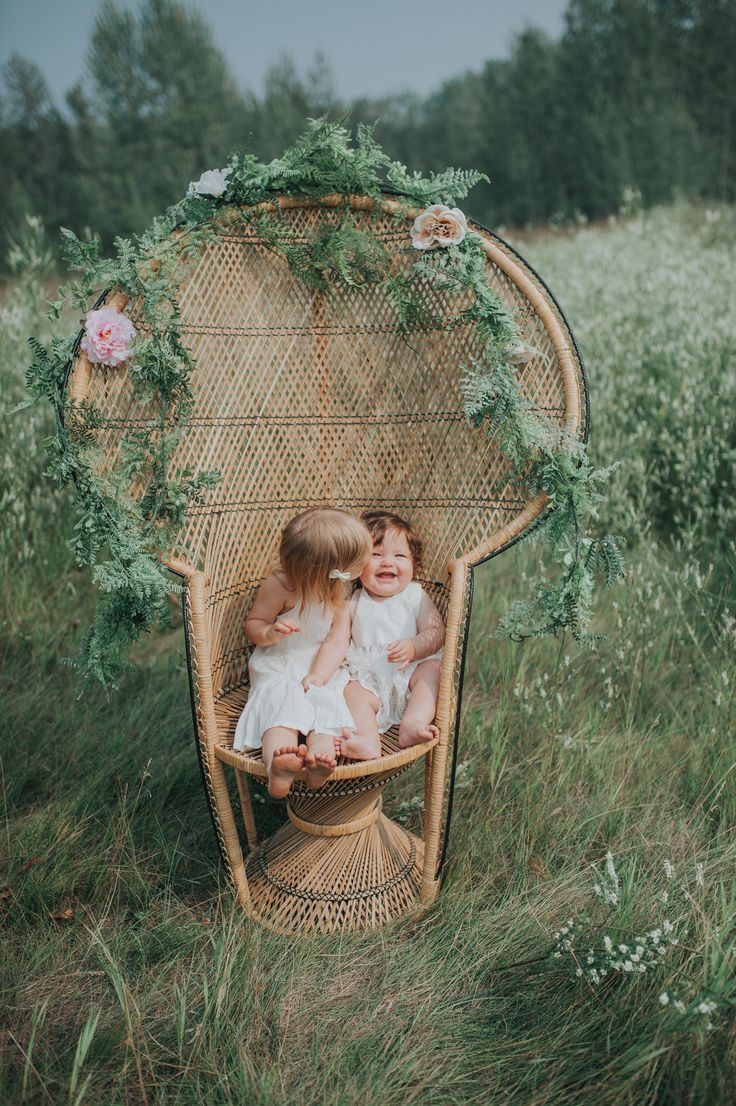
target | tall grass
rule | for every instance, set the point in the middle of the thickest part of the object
(130, 976)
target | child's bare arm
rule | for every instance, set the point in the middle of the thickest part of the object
(333, 650)
(431, 630)
(430, 636)
(263, 625)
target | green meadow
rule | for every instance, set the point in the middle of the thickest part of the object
(595, 806)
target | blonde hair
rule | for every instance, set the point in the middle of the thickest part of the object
(318, 542)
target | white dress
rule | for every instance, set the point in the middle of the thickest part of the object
(376, 623)
(277, 697)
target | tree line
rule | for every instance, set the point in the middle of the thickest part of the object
(636, 97)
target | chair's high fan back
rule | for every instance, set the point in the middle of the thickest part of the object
(303, 398)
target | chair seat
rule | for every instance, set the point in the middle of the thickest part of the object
(228, 708)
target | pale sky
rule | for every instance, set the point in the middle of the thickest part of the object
(373, 47)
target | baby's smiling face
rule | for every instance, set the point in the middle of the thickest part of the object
(390, 568)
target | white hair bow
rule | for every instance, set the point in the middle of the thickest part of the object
(337, 575)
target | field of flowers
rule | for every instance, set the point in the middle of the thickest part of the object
(583, 949)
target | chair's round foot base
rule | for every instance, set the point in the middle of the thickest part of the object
(300, 882)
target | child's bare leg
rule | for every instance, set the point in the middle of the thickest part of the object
(320, 760)
(365, 743)
(283, 754)
(417, 723)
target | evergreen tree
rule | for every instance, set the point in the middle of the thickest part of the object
(710, 28)
(288, 101)
(170, 105)
(34, 137)
(522, 129)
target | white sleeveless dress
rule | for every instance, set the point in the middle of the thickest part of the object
(376, 623)
(277, 697)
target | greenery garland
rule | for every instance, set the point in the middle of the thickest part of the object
(123, 538)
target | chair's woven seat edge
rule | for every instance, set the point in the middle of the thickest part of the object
(251, 762)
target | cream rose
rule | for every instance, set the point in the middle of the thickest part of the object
(439, 225)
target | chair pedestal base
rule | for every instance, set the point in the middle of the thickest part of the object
(335, 866)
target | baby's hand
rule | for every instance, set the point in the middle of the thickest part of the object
(282, 627)
(313, 679)
(401, 653)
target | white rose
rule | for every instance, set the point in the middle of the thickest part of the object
(213, 182)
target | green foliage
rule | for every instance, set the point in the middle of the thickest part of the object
(324, 161)
(543, 456)
(339, 252)
(123, 537)
(118, 535)
(410, 313)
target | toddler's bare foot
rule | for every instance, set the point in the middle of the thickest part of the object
(284, 766)
(358, 746)
(318, 767)
(413, 731)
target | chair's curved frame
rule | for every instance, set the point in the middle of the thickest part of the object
(215, 754)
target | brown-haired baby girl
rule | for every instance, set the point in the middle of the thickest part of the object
(395, 649)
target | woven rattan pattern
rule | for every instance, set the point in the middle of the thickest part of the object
(261, 861)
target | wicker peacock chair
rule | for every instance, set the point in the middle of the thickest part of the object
(304, 399)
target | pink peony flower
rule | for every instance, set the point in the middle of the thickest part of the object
(439, 225)
(108, 337)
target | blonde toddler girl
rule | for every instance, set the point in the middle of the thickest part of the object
(300, 625)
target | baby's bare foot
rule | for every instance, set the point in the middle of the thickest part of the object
(318, 767)
(413, 731)
(358, 746)
(284, 766)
